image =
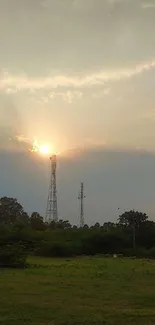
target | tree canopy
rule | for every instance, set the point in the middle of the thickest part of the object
(11, 211)
(132, 233)
(130, 218)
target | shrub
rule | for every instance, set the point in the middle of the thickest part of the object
(139, 252)
(151, 252)
(58, 249)
(12, 256)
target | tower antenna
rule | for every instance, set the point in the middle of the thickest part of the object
(81, 198)
(51, 211)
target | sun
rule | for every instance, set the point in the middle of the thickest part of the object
(41, 148)
(44, 149)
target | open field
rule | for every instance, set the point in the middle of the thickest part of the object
(79, 291)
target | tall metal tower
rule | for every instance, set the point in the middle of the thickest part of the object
(81, 198)
(51, 212)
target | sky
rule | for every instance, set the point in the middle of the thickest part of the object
(79, 74)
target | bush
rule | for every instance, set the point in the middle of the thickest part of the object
(151, 252)
(58, 249)
(139, 252)
(12, 256)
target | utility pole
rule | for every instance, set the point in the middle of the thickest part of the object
(81, 198)
(51, 211)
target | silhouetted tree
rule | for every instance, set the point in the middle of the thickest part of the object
(63, 224)
(11, 211)
(36, 221)
(52, 225)
(146, 234)
(24, 235)
(108, 225)
(132, 217)
(96, 226)
(86, 226)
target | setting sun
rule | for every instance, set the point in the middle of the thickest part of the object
(44, 149)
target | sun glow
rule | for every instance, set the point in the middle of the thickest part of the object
(43, 149)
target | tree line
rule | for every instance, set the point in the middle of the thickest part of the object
(22, 235)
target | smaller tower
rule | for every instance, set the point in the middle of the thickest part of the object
(81, 198)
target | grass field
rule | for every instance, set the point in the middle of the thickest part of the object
(79, 291)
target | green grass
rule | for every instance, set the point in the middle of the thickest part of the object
(79, 291)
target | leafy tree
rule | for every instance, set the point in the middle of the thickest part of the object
(86, 226)
(129, 218)
(96, 226)
(52, 225)
(108, 225)
(134, 220)
(63, 224)
(146, 234)
(11, 211)
(25, 218)
(36, 221)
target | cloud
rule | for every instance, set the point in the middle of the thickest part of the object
(113, 2)
(78, 4)
(75, 4)
(70, 96)
(15, 83)
(148, 5)
(67, 96)
(45, 3)
(10, 118)
(150, 114)
(101, 94)
(11, 91)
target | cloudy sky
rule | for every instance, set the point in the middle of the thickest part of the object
(79, 73)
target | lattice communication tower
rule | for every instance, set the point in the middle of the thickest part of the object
(81, 198)
(51, 211)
